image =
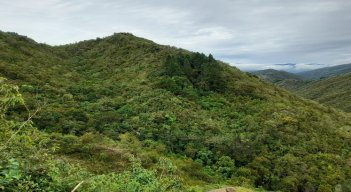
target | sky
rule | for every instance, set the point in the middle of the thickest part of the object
(293, 35)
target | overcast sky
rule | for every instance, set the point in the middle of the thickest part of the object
(250, 34)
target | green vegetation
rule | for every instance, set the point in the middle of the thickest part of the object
(31, 160)
(333, 91)
(276, 76)
(123, 109)
(284, 79)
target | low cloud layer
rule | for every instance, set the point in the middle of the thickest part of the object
(250, 34)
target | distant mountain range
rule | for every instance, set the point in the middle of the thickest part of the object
(328, 85)
(326, 72)
(276, 76)
(281, 78)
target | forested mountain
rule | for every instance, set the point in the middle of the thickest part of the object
(329, 86)
(326, 72)
(333, 91)
(281, 78)
(122, 113)
(276, 76)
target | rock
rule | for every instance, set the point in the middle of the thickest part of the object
(226, 189)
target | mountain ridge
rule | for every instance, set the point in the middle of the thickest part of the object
(332, 91)
(326, 72)
(328, 85)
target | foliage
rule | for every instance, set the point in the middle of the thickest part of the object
(203, 72)
(30, 161)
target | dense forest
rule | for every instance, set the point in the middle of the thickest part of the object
(122, 113)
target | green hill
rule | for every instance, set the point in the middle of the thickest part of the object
(104, 100)
(281, 78)
(333, 91)
(276, 76)
(326, 72)
(330, 85)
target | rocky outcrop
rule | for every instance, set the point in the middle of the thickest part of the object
(226, 189)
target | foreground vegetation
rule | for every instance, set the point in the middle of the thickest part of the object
(35, 161)
(124, 109)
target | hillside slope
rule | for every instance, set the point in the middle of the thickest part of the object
(219, 123)
(330, 86)
(276, 76)
(284, 79)
(333, 91)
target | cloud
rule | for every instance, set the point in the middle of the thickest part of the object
(293, 65)
(250, 34)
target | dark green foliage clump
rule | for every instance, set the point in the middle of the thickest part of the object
(204, 73)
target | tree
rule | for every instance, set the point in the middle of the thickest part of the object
(172, 67)
(225, 166)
